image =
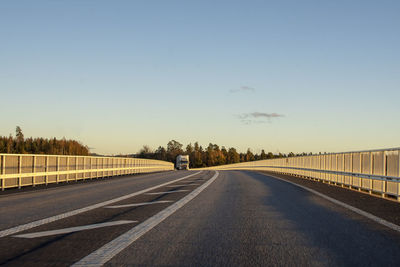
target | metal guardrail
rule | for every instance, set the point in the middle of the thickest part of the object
(18, 170)
(374, 171)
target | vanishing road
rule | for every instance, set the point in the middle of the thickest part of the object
(182, 218)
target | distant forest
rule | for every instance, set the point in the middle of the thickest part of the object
(21, 145)
(212, 155)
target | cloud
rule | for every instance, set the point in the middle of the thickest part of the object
(243, 89)
(258, 117)
(262, 115)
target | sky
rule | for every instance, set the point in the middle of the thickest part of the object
(300, 76)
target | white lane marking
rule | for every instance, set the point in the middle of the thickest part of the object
(72, 229)
(182, 185)
(138, 204)
(167, 192)
(109, 250)
(30, 225)
(381, 221)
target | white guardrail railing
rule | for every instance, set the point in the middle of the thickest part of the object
(373, 171)
(17, 170)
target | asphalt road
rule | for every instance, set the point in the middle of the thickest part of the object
(237, 218)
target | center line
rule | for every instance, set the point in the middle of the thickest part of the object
(111, 249)
(168, 192)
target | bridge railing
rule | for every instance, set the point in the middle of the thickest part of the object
(17, 170)
(373, 171)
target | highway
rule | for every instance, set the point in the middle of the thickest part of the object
(182, 218)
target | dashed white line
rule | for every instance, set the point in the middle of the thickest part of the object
(73, 229)
(178, 185)
(138, 204)
(30, 225)
(109, 250)
(167, 192)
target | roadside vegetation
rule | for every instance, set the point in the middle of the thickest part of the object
(212, 155)
(21, 145)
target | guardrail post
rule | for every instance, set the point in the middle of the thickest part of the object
(343, 169)
(67, 169)
(398, 175)
(34, 171)
(76, 168)
(46, 178)
(19, 171)
(371, 162)
(91, 167)
(351, 170)
(58, 169)
(3, 171)
(361, 180)
(84, 168)
(384, 189)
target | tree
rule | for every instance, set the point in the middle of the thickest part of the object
(174, 148)
(161, 153)
(233, 156)
(263, 155)
(249, 155)
(20, 146)
(145, 152)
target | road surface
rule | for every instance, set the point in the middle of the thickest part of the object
(207, 218)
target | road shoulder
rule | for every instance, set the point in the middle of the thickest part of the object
(379, 207)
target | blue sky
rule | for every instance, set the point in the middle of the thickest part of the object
(276, 75)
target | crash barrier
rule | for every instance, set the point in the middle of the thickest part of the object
(18, 170)
(373, 171)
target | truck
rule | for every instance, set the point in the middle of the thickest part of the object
(182, 162)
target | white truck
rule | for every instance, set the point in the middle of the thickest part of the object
(182, 162)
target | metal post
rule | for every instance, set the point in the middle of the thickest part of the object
(84, 168)
(3, 171)
(384, 171)
(46, 178)
(58, 168)
(371, 162)
(343, 168)
(19, 171)
(91, 167)
(76, 168)
(351, 170)
(361, 179)
(34, 171)
(67, 178)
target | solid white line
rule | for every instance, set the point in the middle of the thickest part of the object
(109, 250)
(30, 225)
(72, 229)
(381, 221)
(168, 192)
(138, 204)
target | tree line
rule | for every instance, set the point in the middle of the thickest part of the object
(212, 155)
(21, 145)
